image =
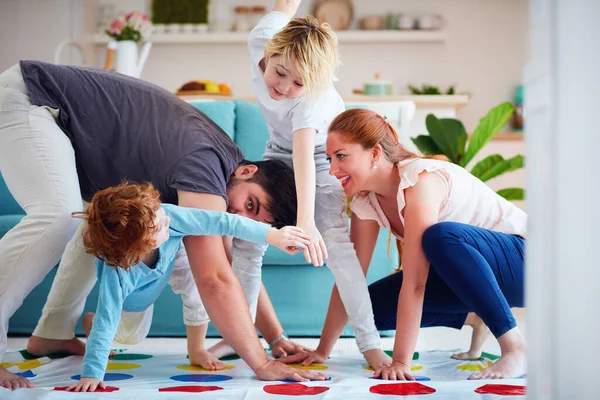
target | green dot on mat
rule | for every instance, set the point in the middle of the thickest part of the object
(130, 356)
(390, 352)
(28, 356)
(230, 357)
(489, 356)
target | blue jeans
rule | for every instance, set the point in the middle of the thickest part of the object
(472, 270)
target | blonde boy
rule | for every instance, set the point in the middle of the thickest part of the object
(292, 68)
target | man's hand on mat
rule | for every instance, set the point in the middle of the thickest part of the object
(306, 358)
(396, 372)
(276, 371)
(289, 239)
(377, 358)
(283, 348)
(87, 385)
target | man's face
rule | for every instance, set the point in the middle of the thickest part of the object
(247, 199)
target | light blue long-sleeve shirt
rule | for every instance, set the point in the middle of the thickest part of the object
(136, 289)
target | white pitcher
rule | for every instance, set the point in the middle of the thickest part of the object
(128, 62)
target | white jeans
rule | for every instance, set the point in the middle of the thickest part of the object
(332, 222)
(37, 162)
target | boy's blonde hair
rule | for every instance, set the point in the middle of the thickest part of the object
(312, 48)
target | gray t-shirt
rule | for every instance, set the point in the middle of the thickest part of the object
(123, 128)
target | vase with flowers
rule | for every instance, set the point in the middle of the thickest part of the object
(125, 32)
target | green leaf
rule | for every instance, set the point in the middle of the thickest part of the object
(502, 167)
(426, 145)
(483, 166)
(487, 127)
(449, 135)
(512, 193)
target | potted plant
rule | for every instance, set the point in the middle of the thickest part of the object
(448, 136)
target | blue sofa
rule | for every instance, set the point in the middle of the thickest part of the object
(299, 292)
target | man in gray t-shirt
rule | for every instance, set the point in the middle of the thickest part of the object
(67, 132)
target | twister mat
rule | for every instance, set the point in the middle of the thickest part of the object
(167, 374)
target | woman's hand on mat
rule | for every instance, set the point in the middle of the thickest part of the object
(377, 358)
(396, 372)
(283, 348)
(306, 358)
(276, 371)
(289, 239)
(87, 385)
(316, 252)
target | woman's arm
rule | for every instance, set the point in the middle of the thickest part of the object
(305, 176)
(422, 210)
(288, 7)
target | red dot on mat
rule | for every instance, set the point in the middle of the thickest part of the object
(402, 389)
(190, 389)
(98, 390)
(505, 390)
(295, 389)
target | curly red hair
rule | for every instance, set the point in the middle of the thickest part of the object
(121, 223)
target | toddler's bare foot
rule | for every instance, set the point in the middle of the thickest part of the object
(206, 360)
(221, 349)
(377, 358)
(478, 337)
(87, 322)
(510, 365)
(12, 381)
(39, 346)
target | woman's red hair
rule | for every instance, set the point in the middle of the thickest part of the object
(121, 223)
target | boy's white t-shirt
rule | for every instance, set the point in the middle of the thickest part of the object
(286, 116)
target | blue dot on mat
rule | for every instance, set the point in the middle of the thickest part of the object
(108, 377)
(201, 378)
(417, 378)
(26, 374)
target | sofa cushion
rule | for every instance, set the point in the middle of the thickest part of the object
(221, 112)
(8, 221)
(251, 131)
(8, 205)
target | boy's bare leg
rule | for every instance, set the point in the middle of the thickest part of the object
(198, 354)
(87, 322)
(478, 337)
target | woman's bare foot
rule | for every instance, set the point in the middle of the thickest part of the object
(221, 349)
(512, 363)
(478, 337)
(86, 323)
(12, 381)
(39, 346)
(206, 360)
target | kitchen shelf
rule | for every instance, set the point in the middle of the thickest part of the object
(355, 36)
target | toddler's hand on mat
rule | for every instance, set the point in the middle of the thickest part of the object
(283, 348)
(306, 358)
(397, 371)
(289, 239)
(276, 371)
(87, 385)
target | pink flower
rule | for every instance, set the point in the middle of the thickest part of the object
(117, 25)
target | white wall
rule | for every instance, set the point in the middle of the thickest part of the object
(484, 54)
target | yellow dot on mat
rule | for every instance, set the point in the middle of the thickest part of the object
(188, 367)
(116, 366)
(31, 364)
(313, 366)
(7, 364)
(475, 367)
(413, 368)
